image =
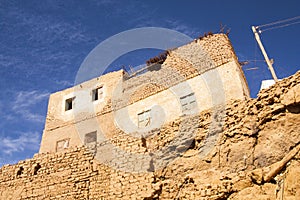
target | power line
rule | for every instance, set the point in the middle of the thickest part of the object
(269, 63)
(279, 22)
(281, 26)
(270, 26)
(252, 68)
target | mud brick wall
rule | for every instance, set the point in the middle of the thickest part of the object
(62, 174)
(255, 155)
(70, 175)
(183, 63)
(186, 65)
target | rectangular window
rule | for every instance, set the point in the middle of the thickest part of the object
(69, 104)
(144, 119)
(90, 137)
(97, 93)
(62, 144)
(188, 102)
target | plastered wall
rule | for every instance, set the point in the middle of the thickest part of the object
(207, 68)
(259, 138)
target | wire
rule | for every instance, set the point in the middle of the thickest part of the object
(255, 60)
(281, 26)
(271, 26)
(279, 22)
(252, 68)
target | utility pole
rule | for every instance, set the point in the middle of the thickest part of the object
(269, 63)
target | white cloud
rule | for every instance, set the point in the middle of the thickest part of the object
(28, 98)
(64, 83)
(25, 141)
(26, 101)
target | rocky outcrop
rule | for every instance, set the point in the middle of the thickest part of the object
(244, 150)
(255, 157)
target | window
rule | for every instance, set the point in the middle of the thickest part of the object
(62, 144)
(36, 169)
(90, 137)
(97, 93)
(69, 104)
(188, 102)
(144, 119)
(20, 171)
(90, 141)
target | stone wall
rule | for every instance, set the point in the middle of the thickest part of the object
(188, 69)
(69, 175)
(181, 64)
(246, 150)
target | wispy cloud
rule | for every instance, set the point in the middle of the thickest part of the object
(183, 28)
(28, 98)
(52, 40)
(25, 103)
(64, 83)
(171, 24)
(24, 142)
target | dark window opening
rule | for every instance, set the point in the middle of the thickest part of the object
(20, 171)
(36, 169)
(90, 137)
(97, 94)
(144, 142)
(69, 104)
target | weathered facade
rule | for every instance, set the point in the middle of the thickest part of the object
(246, 149)
(193, 78)
(256, 156)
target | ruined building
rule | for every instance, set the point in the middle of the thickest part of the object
(185, 128)
(193, 78)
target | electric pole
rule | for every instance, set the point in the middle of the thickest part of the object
(269, 63)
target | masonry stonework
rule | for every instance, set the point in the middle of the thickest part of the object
(256, 156)
(187, 70)
(252, 152)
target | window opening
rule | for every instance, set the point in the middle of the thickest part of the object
(97, 93)
(69, 104)
(20, 171)
(36, 169)
(188, 102)
(90, 137)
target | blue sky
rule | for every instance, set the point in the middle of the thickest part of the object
(43, 43)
